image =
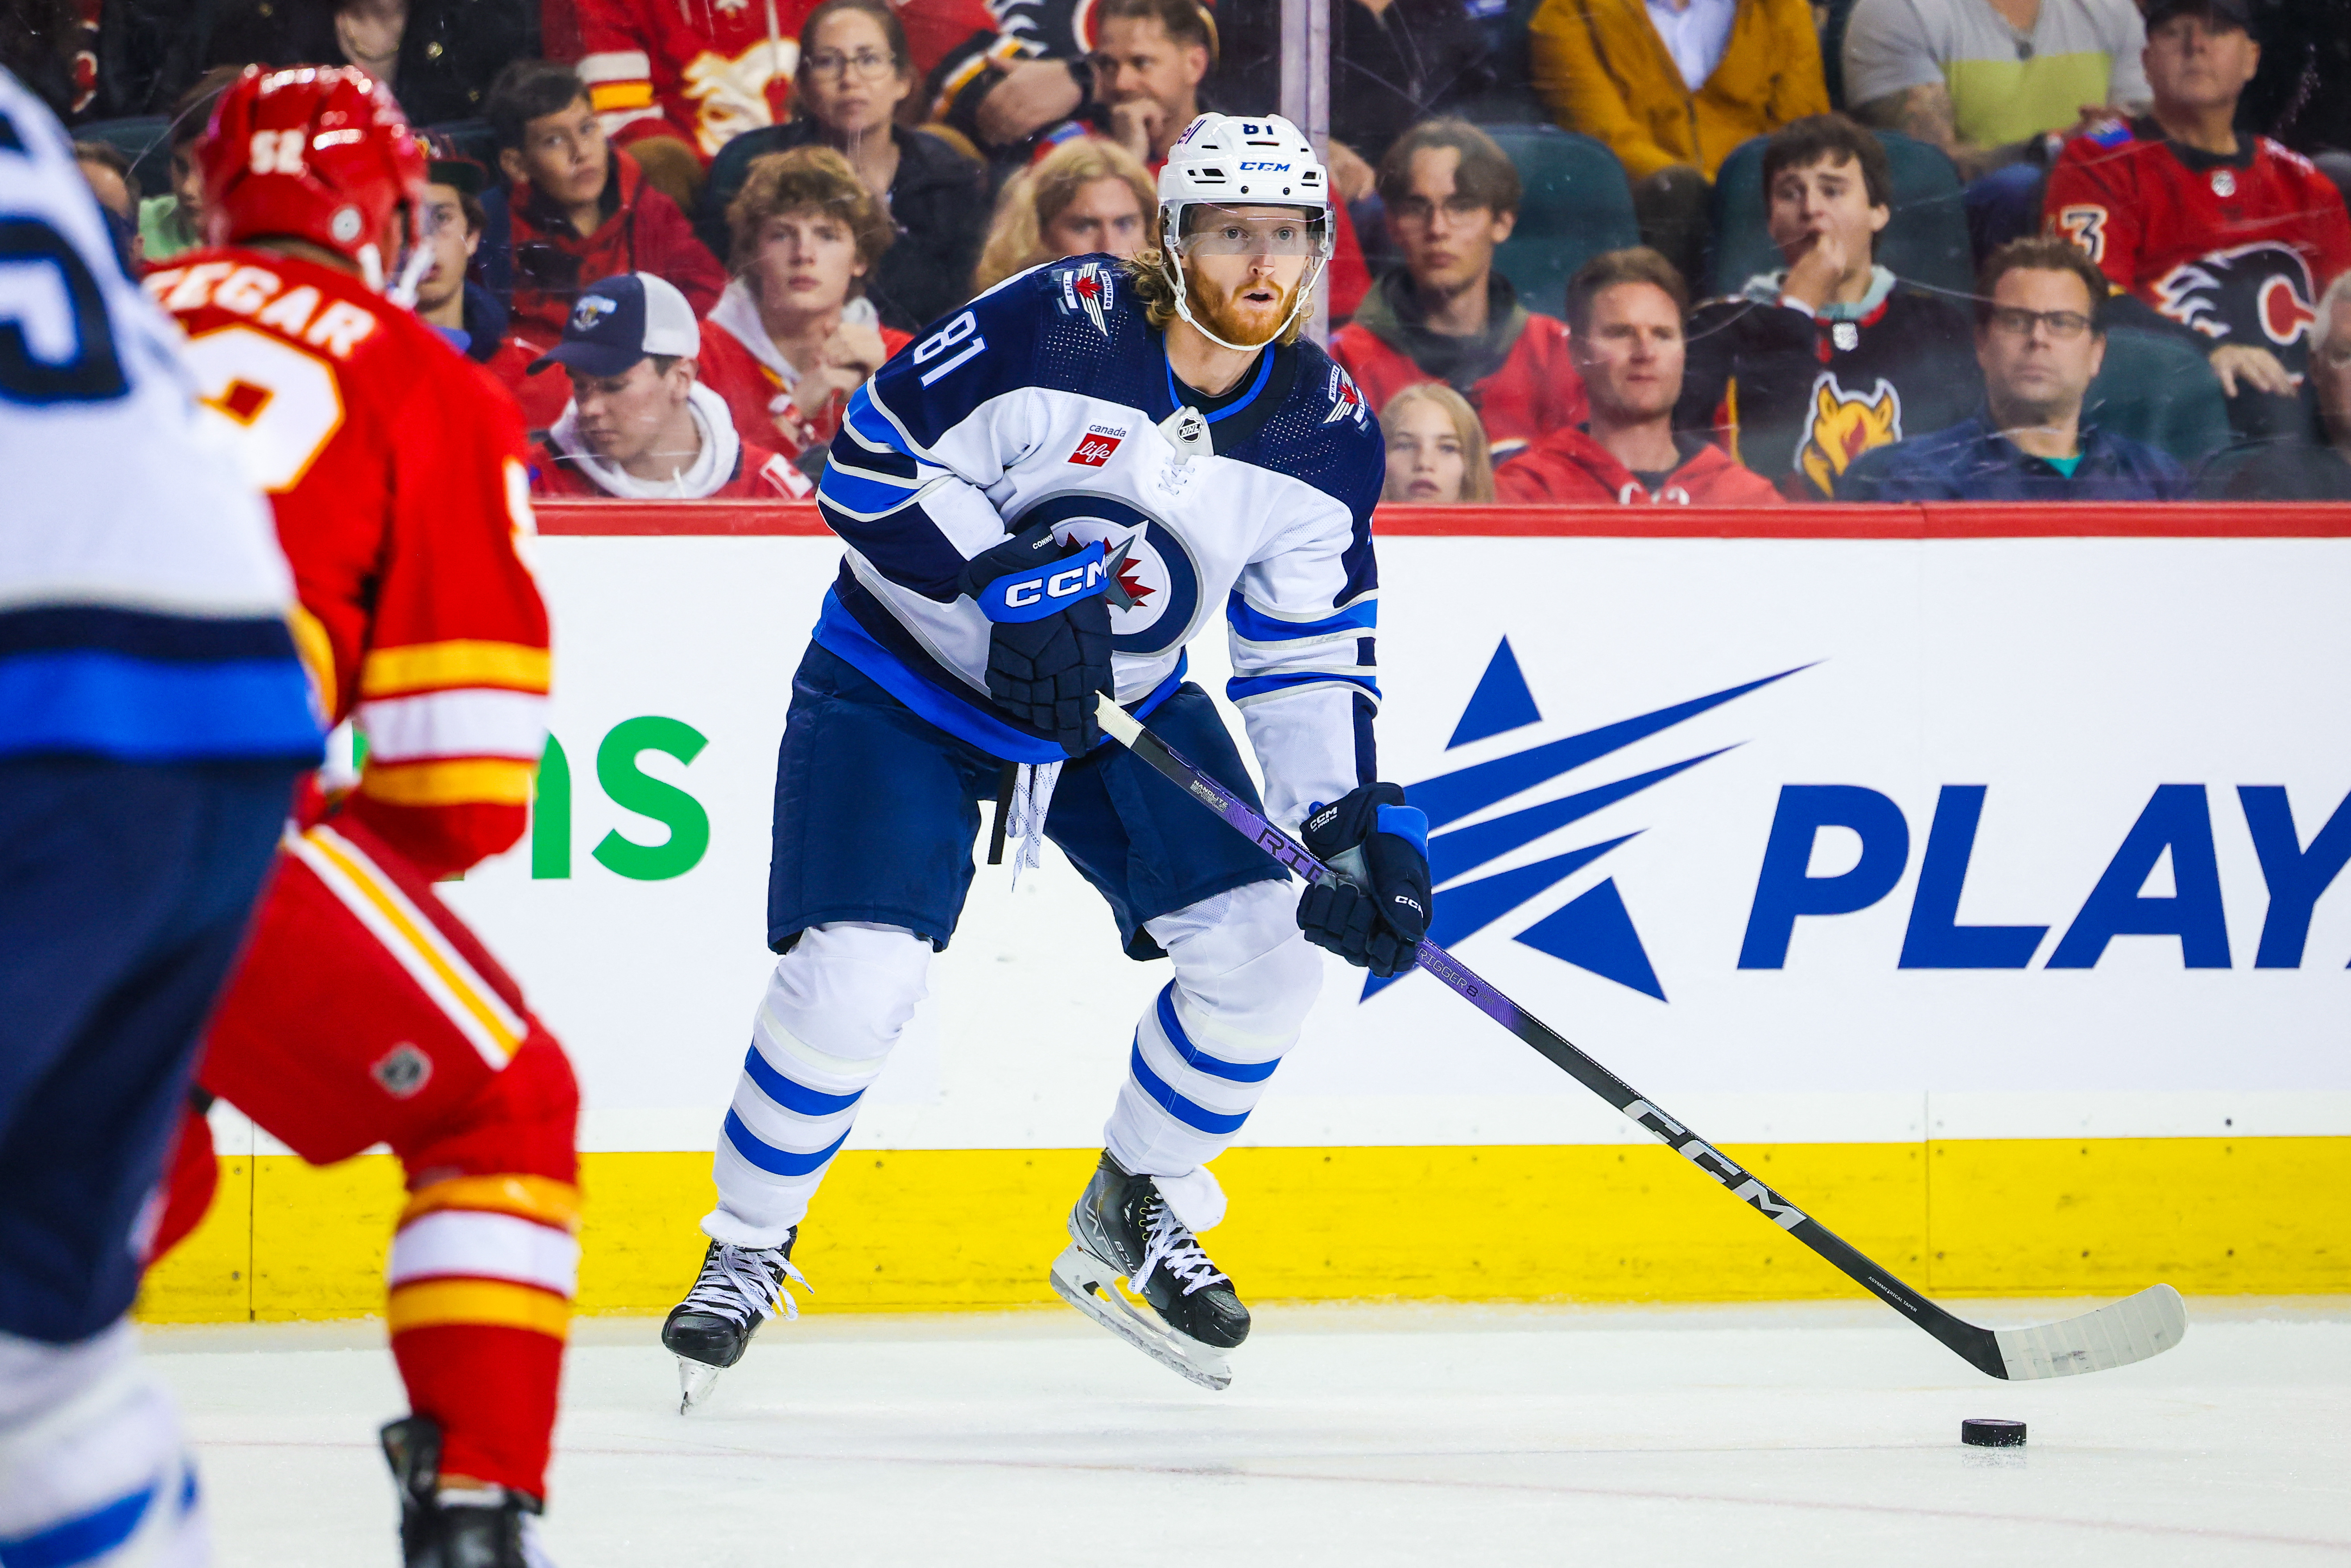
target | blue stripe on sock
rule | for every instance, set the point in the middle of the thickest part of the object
(769, 1158)
(1241, 687)
(81, 1540)
(1156, 1089)
(794, 1096)
(1231, 1071)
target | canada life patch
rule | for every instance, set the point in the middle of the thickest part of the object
(1095, 446)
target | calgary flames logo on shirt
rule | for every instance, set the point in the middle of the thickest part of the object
(1841, 425)
(731, 96)
(2265, 284)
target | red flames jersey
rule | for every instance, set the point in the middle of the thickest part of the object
(396, 469)
(703, 73)
(2235, 249)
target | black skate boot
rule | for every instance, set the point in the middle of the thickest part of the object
(738, 1288)
(1125, 1230)
(493, 1528)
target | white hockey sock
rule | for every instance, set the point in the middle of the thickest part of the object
(93, 1471)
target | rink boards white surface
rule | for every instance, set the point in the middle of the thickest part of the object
(1802, 1436)
(1974, 1121)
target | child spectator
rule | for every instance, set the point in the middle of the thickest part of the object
(1809, 367)
(1626, 309)
(2039, 341)
(854, 73)
(438, 57)
(1673, 104)
(639, 426)
(460, 308)
(170, 223)
(2224, 240)
(674, 83)
(1436, 449)
(1085, 195)
(579, 208)
(1451, 196)
(1992, 82)
(792, 336)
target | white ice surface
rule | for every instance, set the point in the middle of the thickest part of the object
(1737, 1438)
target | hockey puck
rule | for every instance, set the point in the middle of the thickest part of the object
(1985, 1433)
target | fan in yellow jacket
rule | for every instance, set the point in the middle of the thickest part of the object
(1672, 107)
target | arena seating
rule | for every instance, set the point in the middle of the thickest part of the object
(1576, 204)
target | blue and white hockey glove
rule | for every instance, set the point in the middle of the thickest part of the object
(1049, 649)
(1378, 913)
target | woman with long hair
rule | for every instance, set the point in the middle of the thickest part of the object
(1086, 195)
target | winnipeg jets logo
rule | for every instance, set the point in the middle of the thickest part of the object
(1088, 288)
(2225, 291)
(1346, 399)
(1126, 589)
(591, 308)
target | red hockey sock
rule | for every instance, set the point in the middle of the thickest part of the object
(493, 1390)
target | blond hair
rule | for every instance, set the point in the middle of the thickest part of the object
(1037, 195)
(806, 177)
(1477, 458)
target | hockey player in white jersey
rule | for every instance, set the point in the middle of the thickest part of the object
(1047, 495)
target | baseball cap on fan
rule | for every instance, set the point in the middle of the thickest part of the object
(618, 320)
(2220, 16)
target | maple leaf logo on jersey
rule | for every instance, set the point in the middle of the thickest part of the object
(1841, 425)
(1088, 288)
(2227, 293)
(1346, 399)
(1125, 589)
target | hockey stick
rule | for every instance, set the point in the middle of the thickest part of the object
(2116, 1334)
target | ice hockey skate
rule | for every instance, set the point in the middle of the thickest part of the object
(738, 1288)
(1125, 1233)
(487, 1527)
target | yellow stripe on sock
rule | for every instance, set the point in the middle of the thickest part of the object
(475, 781)
(541, 1199)
(440, 666)
(492, 1303)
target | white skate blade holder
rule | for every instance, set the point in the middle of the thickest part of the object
(1091, 1285)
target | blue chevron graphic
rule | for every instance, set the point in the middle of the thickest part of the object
(1594, 931)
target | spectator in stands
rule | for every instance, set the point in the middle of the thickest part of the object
(1149, 59)
(1993, 83)
(577, 207)
(1626, 309)
(1127, 70)
(2040, 340)
(460, 308)
(1673, 103)
(639, 425)
(1436, 449)
(116, 187)
(792, 337)
(2302, 469)
(170, 223)
(438, 57)
(674, 82)
(1807, 368)
(2222, 239)
(1451, 195)
(1086, 195)
(854, 73)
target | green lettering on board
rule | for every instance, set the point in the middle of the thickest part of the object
(550, 816)
(634, 791)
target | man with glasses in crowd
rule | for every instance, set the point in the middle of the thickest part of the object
(2039, 343)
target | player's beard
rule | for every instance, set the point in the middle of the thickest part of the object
(1246, 324)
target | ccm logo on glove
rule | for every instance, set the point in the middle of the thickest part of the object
(1376, 913)
(1032, 596)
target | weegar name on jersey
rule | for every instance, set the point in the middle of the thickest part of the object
(1050, 399)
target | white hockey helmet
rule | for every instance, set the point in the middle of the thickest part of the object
(1243, 161)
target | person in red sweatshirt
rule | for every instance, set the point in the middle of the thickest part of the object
(640, 426)
(1624, 308)
(1446, 315)
(579, 208)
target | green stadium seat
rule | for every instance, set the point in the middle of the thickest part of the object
(145, 140)
(2157, 390)
(1576, 204)
(1927, 242)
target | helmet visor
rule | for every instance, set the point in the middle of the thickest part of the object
(1223, 231)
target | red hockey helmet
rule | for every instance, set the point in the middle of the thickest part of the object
(315, 152)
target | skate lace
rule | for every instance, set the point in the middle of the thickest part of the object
(1170, 1245)
(737, 1282)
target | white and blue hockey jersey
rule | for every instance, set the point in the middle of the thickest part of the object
(143, 600)
(1050, 399)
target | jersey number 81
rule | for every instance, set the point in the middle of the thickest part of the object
(963, 329)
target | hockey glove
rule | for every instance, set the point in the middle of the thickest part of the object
(1378, 911)
(1048, 651)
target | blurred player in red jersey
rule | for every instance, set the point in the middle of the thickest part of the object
(364, 1012)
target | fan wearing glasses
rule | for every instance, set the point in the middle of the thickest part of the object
(2040, 344)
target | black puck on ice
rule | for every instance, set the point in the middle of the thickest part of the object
(1985, 1433)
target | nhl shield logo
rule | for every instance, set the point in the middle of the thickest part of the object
(403, 1070)
(591, 308)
